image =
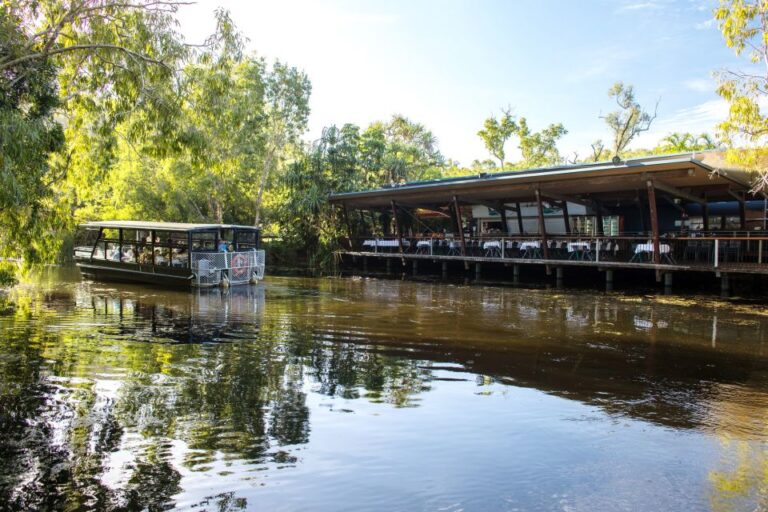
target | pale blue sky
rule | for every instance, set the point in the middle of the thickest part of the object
(450, 64)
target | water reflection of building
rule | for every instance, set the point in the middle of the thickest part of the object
(200, 316)
(645, 358)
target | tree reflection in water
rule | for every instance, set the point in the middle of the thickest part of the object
(111, 397)
(201, 368)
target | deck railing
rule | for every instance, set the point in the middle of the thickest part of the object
(709, 251)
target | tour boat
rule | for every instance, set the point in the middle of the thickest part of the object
(169, 253)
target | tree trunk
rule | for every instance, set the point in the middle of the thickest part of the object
(219, 212)
(264, 175)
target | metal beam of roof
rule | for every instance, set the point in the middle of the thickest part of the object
(677, 192)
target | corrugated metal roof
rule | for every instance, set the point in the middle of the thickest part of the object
(639, 164)
(161, 226)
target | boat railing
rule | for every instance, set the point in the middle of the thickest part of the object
(217, 268)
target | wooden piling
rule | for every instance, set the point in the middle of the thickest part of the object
(654, 221)
(542, 225)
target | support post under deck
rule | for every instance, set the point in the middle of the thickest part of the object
(654, 221)
(542, 225)
(345, 215)
(599, 217)
(459, 226)
(566, 219)
(503, 213)
(397, 229)
(705, 213)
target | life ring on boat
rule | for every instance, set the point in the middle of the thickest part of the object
(240, 267)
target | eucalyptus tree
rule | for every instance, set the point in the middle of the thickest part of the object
(744, 26)
(539, 148)
(220, 122)
(29, 133)
(100, 59)
(285, 115)
(599, 152)
(122, 152)
(496, 133)
(629, 120)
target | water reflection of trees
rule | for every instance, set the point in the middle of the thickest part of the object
(243, 400)
(247, 400)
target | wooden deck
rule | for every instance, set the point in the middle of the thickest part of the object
(723, 268)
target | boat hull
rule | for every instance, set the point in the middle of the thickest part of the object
(174, 278)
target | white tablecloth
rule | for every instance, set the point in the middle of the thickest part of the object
(494, 244)
(533, 244)
(424, 243)
(578, 246)
(663, 248)
(454, 247)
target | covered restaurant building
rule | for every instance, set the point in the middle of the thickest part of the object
(687, 212)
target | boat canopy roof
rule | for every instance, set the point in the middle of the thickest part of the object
(163, 226)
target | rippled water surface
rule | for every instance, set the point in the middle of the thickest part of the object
(366, 394)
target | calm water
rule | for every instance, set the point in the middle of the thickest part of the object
(364, 394)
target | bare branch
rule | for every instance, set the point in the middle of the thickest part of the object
(79, 47)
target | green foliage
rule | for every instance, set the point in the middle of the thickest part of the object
(105, 113)
(399, 151)
(539, 149)
(346, 159)
(496, 133)
(630, 120)
(331, 165)
(229, 118)
(97, 58)
(7, 274)
(674, 142)
(29, 132)
(285, 115)
(154, 130)
(682, 142)
(744, 25)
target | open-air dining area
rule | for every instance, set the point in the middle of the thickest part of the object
(746, 249)
(675, 213)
